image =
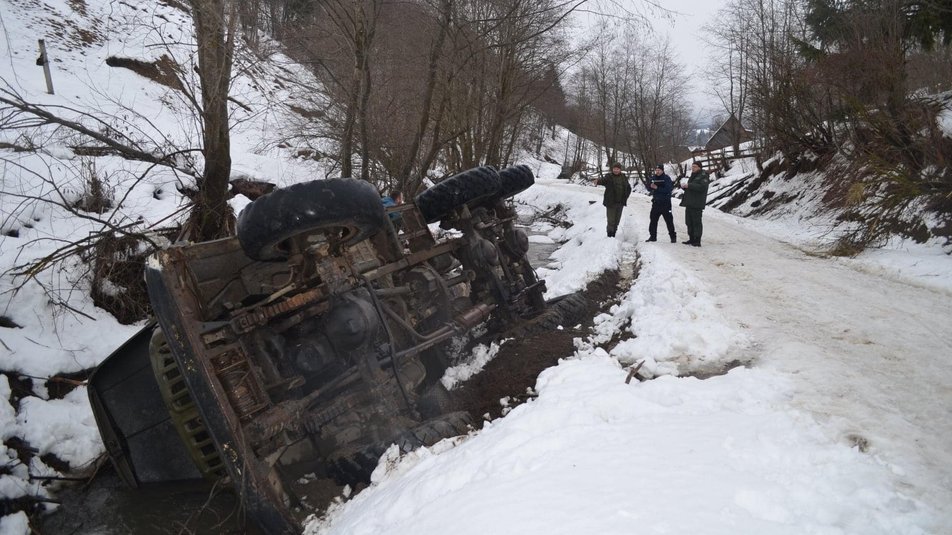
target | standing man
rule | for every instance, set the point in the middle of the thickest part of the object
(617, 190)
(660, 190)
(693, 201)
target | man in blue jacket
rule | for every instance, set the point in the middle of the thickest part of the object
(395, 198)
(660, 189)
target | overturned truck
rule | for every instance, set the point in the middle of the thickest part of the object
(315, 338)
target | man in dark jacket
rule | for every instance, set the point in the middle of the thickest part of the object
(693, 201)
(617, 190)
(660, 189)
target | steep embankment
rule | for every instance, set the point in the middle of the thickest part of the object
(126, 71)
(867, 193)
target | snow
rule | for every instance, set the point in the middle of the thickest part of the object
(479, 357)
(15, 524)
(945, 121)
(835, 426)
(837, 419)
(60, 426)
(595, 455)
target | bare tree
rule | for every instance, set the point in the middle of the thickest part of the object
(441, 82)
(657, 117)
(730, 67)
(633, 97)
(759, 74)
(215, 23)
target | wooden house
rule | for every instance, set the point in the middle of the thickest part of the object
(725, 135)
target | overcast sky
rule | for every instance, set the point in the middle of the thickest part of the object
(681, 21)
(685, 32)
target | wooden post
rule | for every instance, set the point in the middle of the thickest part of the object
(45, 62)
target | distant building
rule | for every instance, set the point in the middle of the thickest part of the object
(725, 135)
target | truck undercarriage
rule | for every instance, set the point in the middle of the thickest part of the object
(315, 338)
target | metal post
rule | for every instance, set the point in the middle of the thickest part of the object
(45, 62)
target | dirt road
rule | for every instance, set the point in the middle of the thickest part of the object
(869, 356)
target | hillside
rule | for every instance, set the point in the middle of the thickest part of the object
(124, 70)
(49, 169)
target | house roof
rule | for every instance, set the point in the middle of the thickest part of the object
(724, 136)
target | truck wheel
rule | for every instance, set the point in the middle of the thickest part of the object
(435, 401)
(357, 467)
(182, 409)
(349, 208)
(515, 179)
(536, 295)
(475, 184)
(566, 311)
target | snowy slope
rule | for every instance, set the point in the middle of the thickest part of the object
(49, 324)
(792, 209)
(154, 116)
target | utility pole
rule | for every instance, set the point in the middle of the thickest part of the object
(45, 62)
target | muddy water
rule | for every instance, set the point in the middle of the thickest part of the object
(539, 252)
(107, 507)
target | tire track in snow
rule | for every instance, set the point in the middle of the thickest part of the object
(870, 355)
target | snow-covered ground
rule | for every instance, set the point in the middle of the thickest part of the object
(839, 424)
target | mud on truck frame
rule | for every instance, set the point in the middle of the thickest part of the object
(314, 339)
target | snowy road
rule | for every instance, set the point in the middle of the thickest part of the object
(842, 361)
(869, 355)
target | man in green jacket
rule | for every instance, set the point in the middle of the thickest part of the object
(617, 190)
(693, 201)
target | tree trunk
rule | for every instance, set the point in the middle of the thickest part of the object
(362, 111)
(435, 52)
(215, 22)
(350, 118)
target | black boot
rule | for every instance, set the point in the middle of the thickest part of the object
(652, 239)
(674, 238)
(689, 242)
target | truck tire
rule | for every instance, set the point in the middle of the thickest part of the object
(515, 179)
(434, 401)
(434, 430)
(340, 204)
(356, 468)
(566, 311)
(472, 185)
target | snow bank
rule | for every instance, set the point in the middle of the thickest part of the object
(595, 455)
(672, 318)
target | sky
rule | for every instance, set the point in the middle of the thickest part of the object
(684, 30)
(839, 422)
(681, 21)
